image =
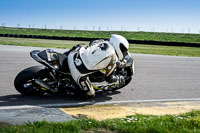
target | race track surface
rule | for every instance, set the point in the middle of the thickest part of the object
(157, 77)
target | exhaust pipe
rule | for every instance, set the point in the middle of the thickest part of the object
(42, 84)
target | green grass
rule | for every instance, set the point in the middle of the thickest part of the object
(165, 50)
(154, 36)
(134, 48)
(184, 123)
(38, 42)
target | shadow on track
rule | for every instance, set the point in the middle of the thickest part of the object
(18, 99)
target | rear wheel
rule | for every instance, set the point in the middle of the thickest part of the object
(25, 81)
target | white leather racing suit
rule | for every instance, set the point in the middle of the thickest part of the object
(83, 61)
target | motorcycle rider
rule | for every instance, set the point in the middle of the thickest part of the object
(101, 56)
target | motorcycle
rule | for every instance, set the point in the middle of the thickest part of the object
(53, 76)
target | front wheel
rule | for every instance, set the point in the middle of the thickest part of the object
(25, 81)
(128, 73)
(127, 81)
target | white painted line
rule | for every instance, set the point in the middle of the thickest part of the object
(96, 103)
(118, 102)
(19, 107)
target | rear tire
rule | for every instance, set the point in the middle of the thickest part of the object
(26, 77)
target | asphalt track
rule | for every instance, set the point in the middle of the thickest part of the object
(157, 78)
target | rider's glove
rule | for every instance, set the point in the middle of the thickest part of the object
(121, 64)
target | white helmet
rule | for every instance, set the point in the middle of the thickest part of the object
(120, 45)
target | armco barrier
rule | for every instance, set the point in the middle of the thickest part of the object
(90, 39)
(164, 43)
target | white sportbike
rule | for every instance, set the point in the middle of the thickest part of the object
(53, 76)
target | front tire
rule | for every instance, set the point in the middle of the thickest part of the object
(24, 81)
(129, 74)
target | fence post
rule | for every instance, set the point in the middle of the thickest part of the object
(138, 29)
(3, 24)
(188, 30)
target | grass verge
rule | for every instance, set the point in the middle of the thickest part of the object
(134, 48)
(37, 42)
(153, 36)
(189, 122)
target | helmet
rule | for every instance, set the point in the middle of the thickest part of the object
(120, 45)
